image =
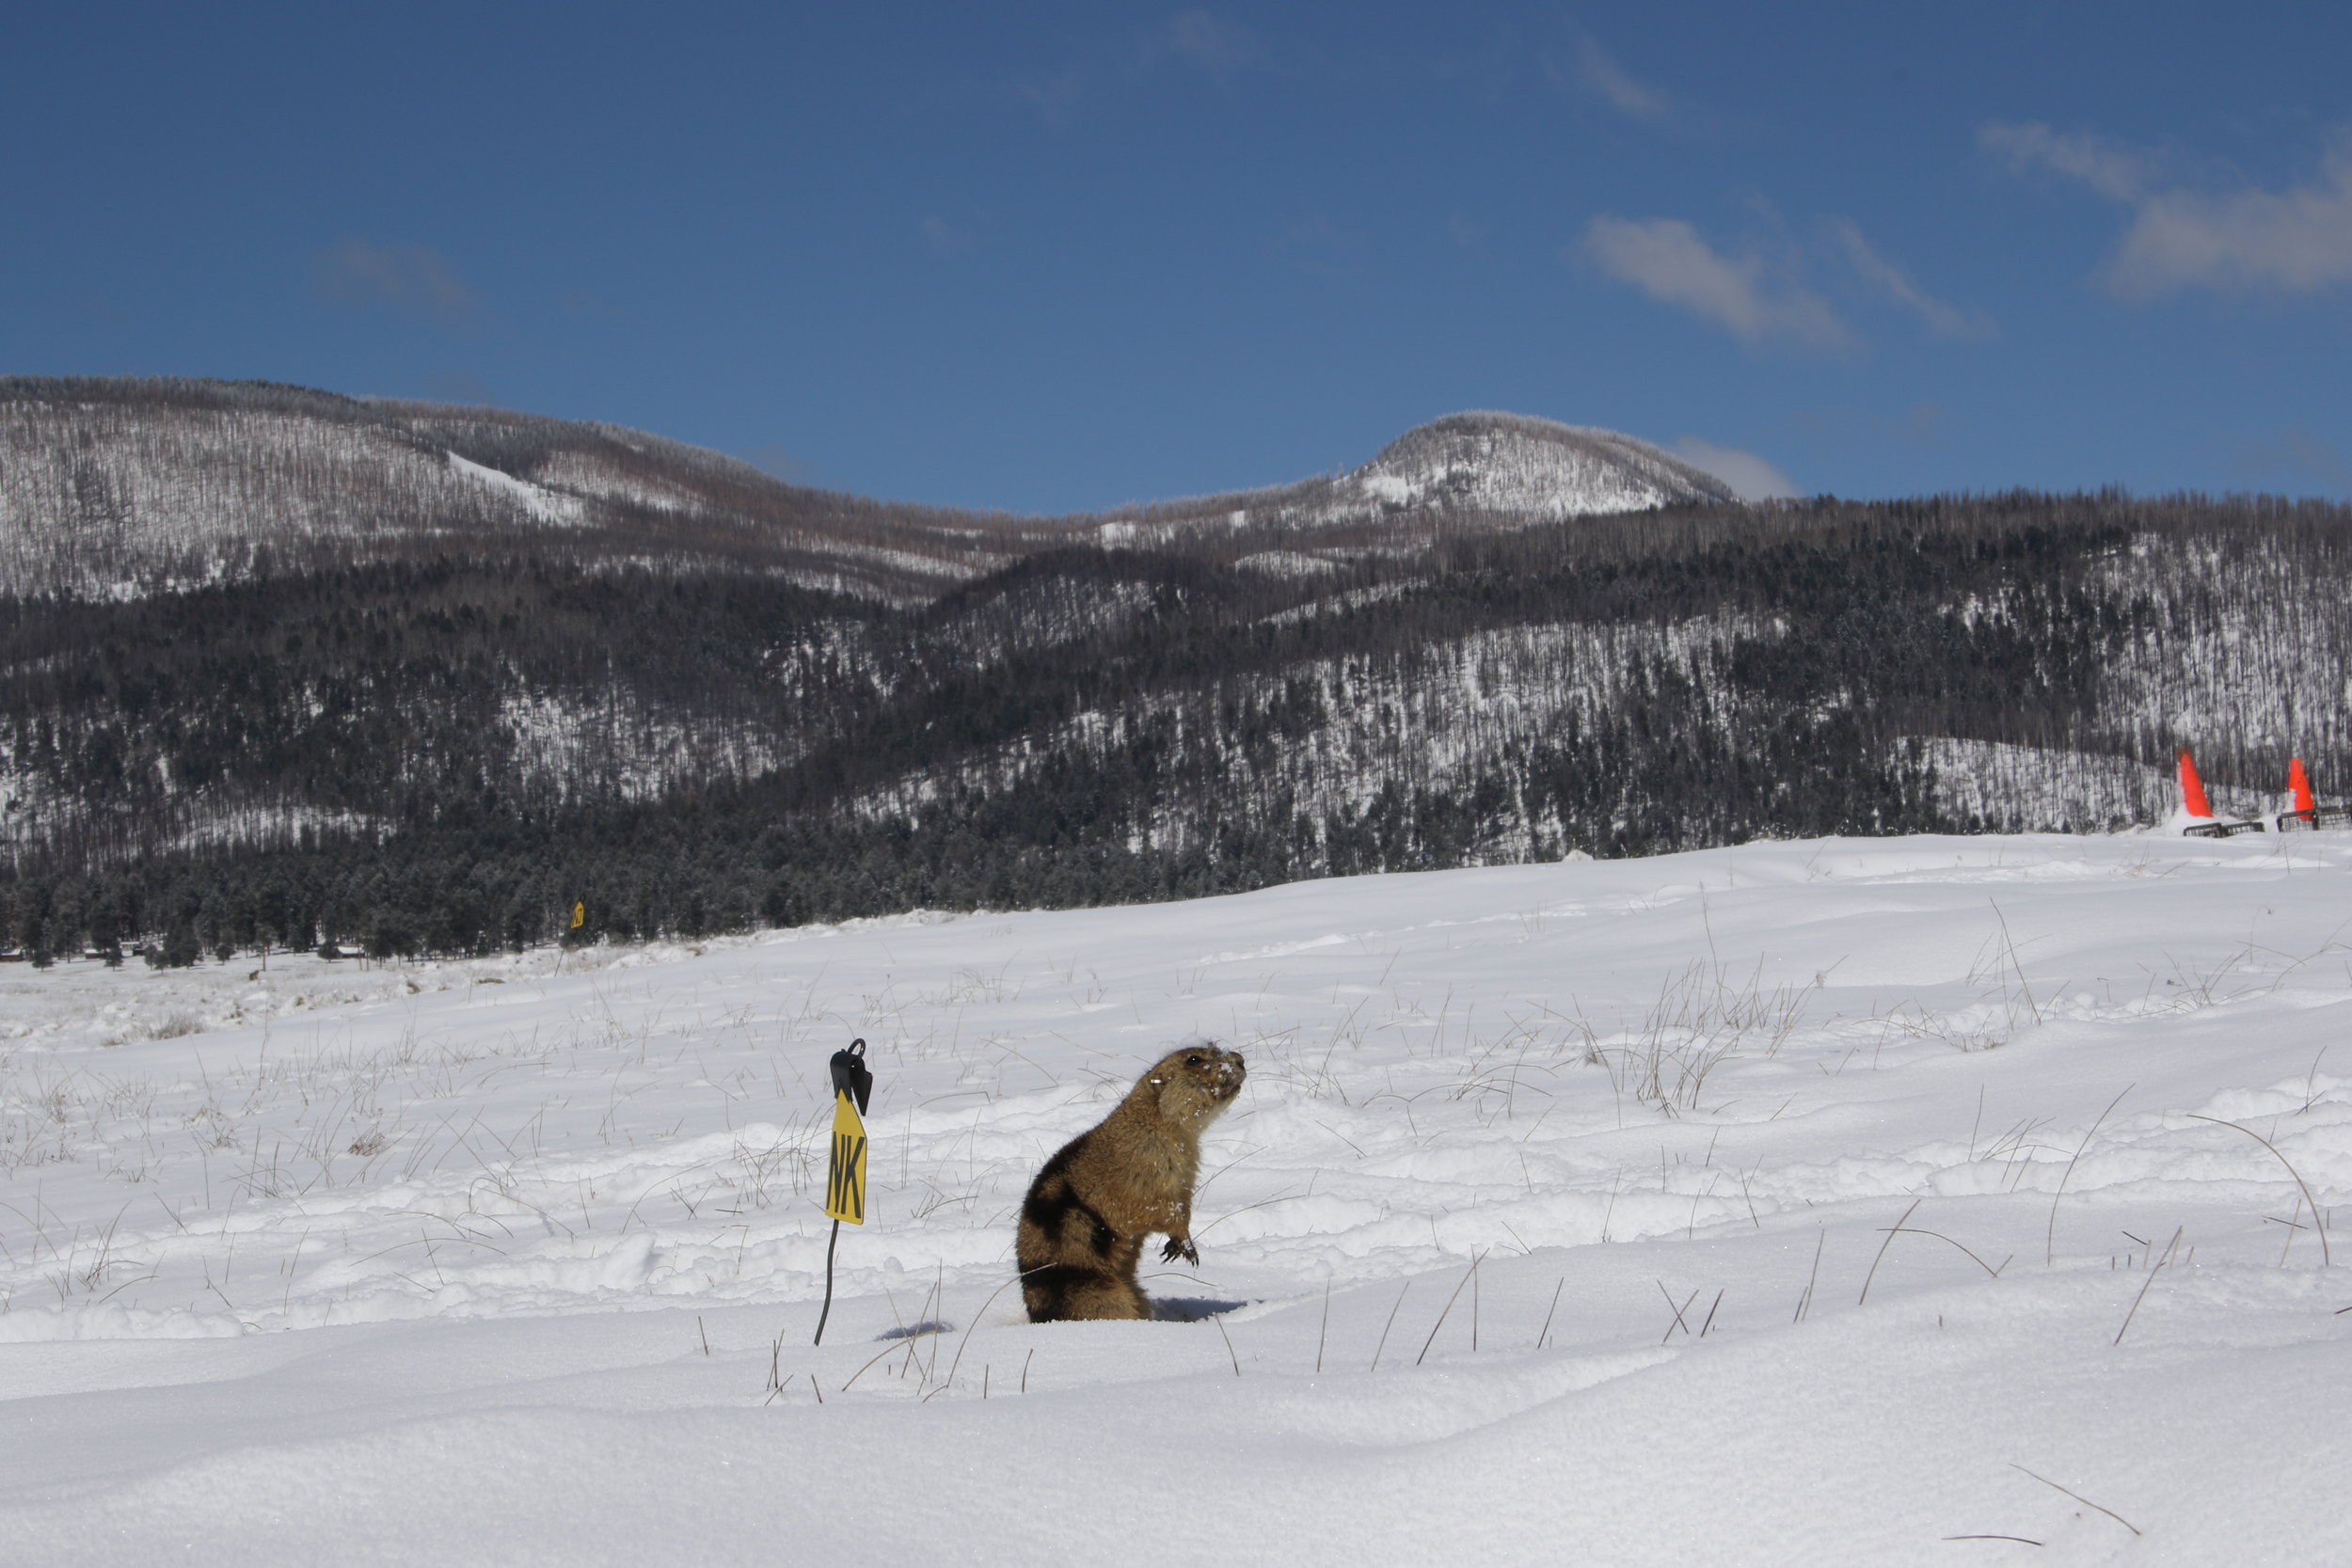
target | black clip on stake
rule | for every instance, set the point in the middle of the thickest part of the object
(852, 1077)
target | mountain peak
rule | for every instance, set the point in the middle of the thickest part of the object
(114, 487)
(1491, 462)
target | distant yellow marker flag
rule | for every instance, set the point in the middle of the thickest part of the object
(845, 1181)
(579, 915)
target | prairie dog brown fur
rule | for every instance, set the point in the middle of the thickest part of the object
(1082, 1224)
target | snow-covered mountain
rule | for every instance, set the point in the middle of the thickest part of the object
(118, 489)
(1474, 470)
(424, 677)
(1509, 465)
(113, 488)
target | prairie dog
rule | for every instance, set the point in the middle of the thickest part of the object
(1084, 1222)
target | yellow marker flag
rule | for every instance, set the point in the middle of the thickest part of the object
(579, 915)
(845, 1178)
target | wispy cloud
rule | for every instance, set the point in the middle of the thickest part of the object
(1596, 71)
(2293, 451)
(1209, 44)
(1193, 42)
(1752, 477)
(1666, 259)
(943, 237)
(2107, 165)
(2238, 239)
(1055, 95)
(401, 277)
(1945, 321)
(2298, 240)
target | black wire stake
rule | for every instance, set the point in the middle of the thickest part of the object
(854, 1079)
(828, 1310)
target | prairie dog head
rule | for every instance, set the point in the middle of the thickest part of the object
(1194, 1082)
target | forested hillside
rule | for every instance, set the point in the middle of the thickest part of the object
(117, 488)
(444, 748)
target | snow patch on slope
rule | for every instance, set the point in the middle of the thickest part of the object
(544, 504)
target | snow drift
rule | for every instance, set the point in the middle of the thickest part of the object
(1921, 1200)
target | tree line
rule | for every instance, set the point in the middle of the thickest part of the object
(443, 754)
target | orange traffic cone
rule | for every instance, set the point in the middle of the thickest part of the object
(2192, 789)
(2299, 784)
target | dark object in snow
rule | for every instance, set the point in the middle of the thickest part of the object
(850, 1075)
(1088, 1211)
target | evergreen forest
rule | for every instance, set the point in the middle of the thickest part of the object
(447, 749)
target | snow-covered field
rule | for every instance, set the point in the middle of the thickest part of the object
(1939, 1201)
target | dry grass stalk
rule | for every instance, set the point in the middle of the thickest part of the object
(2049, 1240)
(2319, 1221)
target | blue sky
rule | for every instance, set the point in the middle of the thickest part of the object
(1050, 256)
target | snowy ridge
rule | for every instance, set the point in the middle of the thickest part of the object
(106, 500)
(1512, 465)
(121, 488)
(1488, 469)
(117, 488)
(1906, 1181)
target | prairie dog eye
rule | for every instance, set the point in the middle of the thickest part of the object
(1194, 1060)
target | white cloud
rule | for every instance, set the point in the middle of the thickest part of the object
(2235, 240)
(2299, 240)
(404, 277)
(1751, 478)
(1945, 321)
(1666, 259)
(2107, 166)
(1598, 73)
